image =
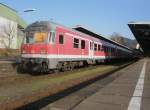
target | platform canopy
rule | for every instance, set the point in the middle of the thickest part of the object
(141, 31)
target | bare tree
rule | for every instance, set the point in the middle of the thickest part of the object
(118, 38)
(8, 34)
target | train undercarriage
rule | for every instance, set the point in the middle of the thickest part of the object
(45, 65)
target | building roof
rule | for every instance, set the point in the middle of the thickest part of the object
(140, 22)
(11, 14)
(141, 31)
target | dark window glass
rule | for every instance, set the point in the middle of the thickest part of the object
(61, 39)
(82, 44)
(90, 45)
(95, 47)
(102, 48)
(52, 37)
(105, 49)
(76, 43)
(99, 47)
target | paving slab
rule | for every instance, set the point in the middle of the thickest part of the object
(117, 95)
(146, 91)
(110, 99)
(71, 100)
(98, 106)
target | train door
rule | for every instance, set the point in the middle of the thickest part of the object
(91, 49)
(83, 47)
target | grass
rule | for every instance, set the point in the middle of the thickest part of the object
(9, 52)
(37, 85)
(2, 98)
(54, 83)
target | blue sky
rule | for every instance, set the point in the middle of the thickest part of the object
(101, 16)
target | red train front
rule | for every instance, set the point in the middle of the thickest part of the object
(51, 46)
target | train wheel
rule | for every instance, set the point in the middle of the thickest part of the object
(72, 65)
(66, 66)
(20, 68)
(59, 67)
(45, 68)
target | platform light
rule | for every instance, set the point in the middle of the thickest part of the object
(146, 33)
(29, 10)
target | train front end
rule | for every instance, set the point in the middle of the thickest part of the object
(35, 48)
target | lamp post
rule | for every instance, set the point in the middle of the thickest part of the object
(29, 10)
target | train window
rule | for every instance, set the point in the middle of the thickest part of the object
(99, 47)
(102, 48)
(29, 39)
(95, 47)
(108, 49)
(90, 45)
(113, 50)
(40, 37)
(82, 44)
(61, 39)
(105, 49)
(52, 37)
(76, 43)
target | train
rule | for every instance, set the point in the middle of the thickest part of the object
(51, 46)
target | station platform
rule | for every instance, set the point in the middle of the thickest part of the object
(130, 91)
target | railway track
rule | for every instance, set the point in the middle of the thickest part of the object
(28, 90)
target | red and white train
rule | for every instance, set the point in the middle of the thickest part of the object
(48, 45)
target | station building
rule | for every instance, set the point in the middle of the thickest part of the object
(11, 28)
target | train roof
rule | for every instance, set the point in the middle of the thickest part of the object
(86, 31)
(78, 29)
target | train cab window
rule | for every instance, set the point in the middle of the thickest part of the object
(61, 39)
(82, 44)
(99, 47)
(52, 37)
(95, 47)
(76, 43)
